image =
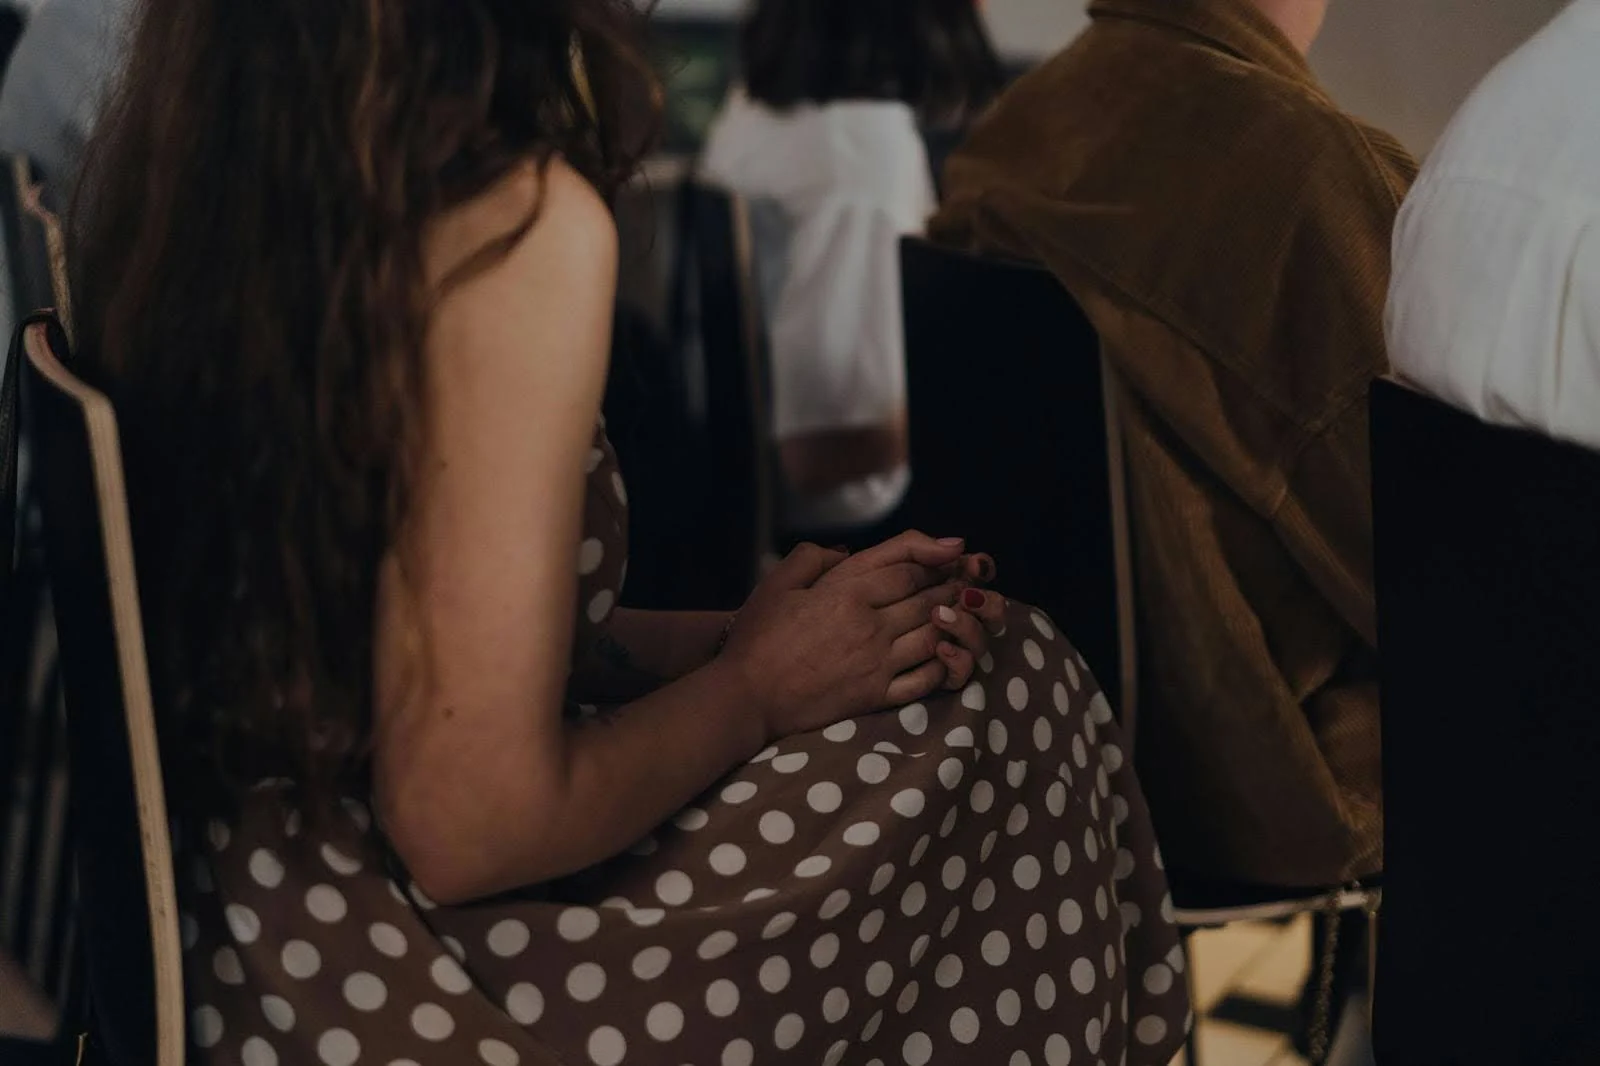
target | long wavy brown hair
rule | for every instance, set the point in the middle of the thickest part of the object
(247, 253)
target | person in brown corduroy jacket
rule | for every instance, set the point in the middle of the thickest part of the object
(1226, 228)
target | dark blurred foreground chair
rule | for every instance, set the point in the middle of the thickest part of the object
(1016, 444)
(37, 931)
(29, 279)
(128, 916)
(1488, 577)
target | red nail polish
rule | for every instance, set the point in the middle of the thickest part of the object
(972, 600)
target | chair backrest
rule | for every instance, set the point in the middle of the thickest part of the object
(46, 226)
(1488, 584)
(739, 456)
(647, 397)
(129, 918)
(28, 278)
(36, 884)
(1016, 445)
(646, 213)
(36, 889)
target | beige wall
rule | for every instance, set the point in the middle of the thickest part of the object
(1404, 64)
(1034, 27)
(1407, 64)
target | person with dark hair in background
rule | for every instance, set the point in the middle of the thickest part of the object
(1226, 228)
(823, 140)
(347, 274)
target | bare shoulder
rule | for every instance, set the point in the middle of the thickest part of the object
(572, 238)
(546, 282)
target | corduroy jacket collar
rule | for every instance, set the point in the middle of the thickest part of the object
(1237, 27)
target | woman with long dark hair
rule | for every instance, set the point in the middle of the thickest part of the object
(825, 139)
(346, 271)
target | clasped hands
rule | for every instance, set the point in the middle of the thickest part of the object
(828, 635)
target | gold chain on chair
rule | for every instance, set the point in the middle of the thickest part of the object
(1322, 1006)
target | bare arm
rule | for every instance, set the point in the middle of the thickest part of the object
(667, 644)
(482, 784)
(641, 649)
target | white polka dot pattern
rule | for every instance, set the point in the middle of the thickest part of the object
(525, 1004)
(278, 1012)
(338, 1047)
(969, 878)
(206, 1026)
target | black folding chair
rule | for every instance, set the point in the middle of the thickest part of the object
(686, 401)
(36, 887)
(736, 528)
(1016, 444)
(28, 278)
(127, 899)
(1488, 567)
(647, 403)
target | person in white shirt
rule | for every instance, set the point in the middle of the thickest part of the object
(1494, 304)
(823, 142)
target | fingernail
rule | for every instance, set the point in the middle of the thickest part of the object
(951, 542)
(946, 614)
(947, 650)
(972, 599)
(986, 568)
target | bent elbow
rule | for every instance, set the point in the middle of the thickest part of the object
(468, 845)
(440, 862)
(446, 884)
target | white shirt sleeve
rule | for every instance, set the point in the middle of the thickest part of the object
(1495, 305)
(832, 189)
(1575, 385)
(838, 347)
(1494, 302)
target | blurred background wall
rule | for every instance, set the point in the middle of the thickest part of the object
(1403, 64)
(1408, 64)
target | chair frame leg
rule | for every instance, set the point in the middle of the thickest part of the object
(1374, 918)
(1191, 1042)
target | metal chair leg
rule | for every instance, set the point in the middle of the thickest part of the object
(1374, 915)
(1191, 1043)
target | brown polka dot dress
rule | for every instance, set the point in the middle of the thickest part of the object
(970, 879)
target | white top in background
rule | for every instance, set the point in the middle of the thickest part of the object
(831, 190)
(1494, 304)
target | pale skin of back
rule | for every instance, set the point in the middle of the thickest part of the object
(481, 784)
